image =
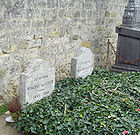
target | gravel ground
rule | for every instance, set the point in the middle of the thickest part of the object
(6, 128)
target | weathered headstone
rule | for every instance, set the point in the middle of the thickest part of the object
(82, 63)
(37, 81)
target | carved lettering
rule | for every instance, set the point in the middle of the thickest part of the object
(36, 87)
(42, 77)
(36, 96)
(46, 93)
(84, 68)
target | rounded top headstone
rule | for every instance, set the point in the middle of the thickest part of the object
(36, 64)
(82, 63)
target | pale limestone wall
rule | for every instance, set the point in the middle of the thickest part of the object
(53, 30)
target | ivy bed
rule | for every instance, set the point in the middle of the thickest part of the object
(104, 103)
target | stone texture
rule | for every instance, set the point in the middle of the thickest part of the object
(35, 43)
(62, 25)
(82, 63)
(37, 81)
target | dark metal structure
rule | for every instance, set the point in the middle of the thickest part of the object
(128, 46)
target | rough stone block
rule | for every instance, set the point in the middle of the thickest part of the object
(83, 13)
(11, 24)
(38, 23)
(88, 4)
(8, 48)
(2, 25)
(45, 13)
(35, 43)
(50, 4)
(79, 4)
(37, 81)
(86, 44)
(89, 13)
(26, 23)
(31, 3)
(16, 12)
(42, 3)
(29, 14)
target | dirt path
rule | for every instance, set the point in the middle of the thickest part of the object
(6, 128)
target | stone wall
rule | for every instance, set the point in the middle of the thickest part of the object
(53, 30)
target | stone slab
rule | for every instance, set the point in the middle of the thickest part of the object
(130, 32)
(128, 45)
(37, 81)
(128, 48)
(82, 63)
(34, 43)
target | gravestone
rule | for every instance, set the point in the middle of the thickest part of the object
(82, 63)
(36, 82)
(128, 47)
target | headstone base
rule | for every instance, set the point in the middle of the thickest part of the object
(128, 49)
(119, 68)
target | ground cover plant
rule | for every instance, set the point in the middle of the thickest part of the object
(3, 109)
(104, 103)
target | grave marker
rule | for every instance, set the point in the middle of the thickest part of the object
(37, 81)
(82, 63)
(128, 47)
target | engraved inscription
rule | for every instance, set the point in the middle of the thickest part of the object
(42, 77)
(46, 93)
(36, 96)
(84, 68)
(39, 86)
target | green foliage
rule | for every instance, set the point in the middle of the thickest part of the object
(3, 109)
(104, 103)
